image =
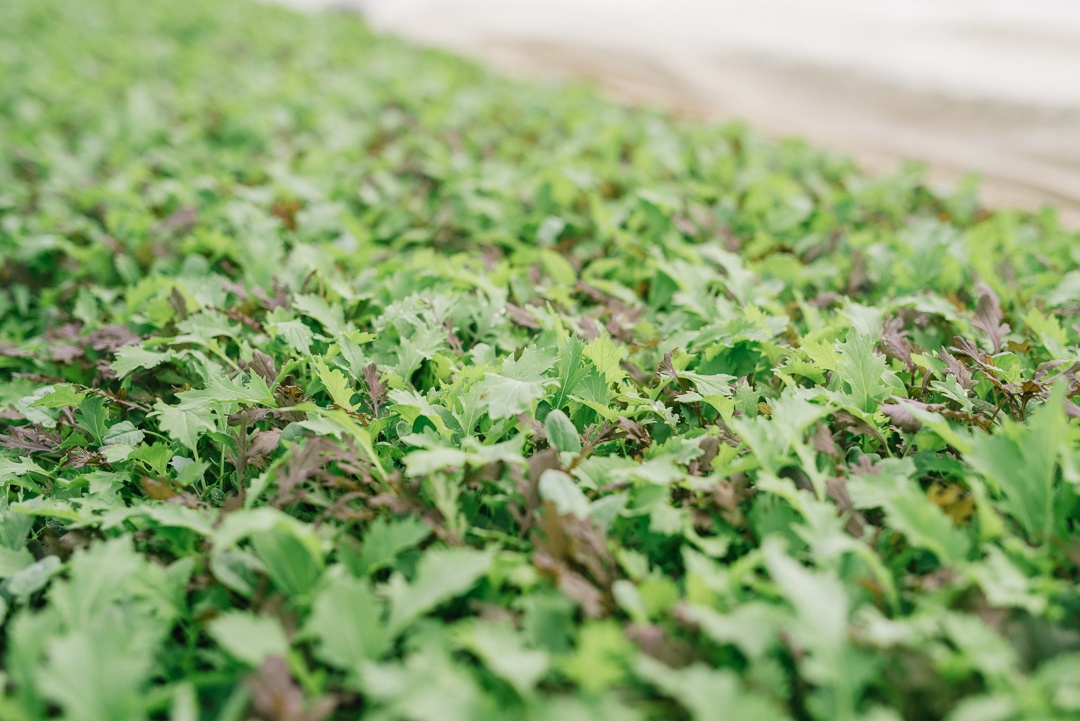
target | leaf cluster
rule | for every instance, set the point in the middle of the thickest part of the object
(342, 379)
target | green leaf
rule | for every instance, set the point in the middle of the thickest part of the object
(530, 366)
(424, 463)
(332, 317)
(190, 472)
(12, 561)
(441, 575)
(1022, 461)
(570, 370)
(351, 351)
(116, 452)
(908, 510)
(602, 657)
(184, 426)
(861, 370)
(336, 384)
(347, 623)
(1050, 332)
(819, 599)
(14, 470)
(123, 432)
(520, 384)
(410, 405)
(561, 432)
(351, 428)
(28, 581)
(560, 489)
(606, 356)
(130, 358)
(751, 627)
(238, 525)
(61, 396)
(155, 455)
(472, 409)
(710, 386)
(503, 651)
(93, 416)
(429, 685)
(384, 540)
(296, 334)
(97, 578)
(292, 561)
(222, 390)
(509, 397)
(171, 515)
(594, 391)
(249, 638)
(708, 694)
(98, 672)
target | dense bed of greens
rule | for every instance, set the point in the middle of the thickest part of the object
(341, 379)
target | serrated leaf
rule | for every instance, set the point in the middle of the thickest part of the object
(606, 357)
(348, 624)
(93, 416)
(123, 432)
(12, 561)
(385, 539)
(521, 383)
(98, 671)
(908, 510)
(570, 370)
(336, 384)
(472, 408)
(1022, 462)
(821, 354)
(156, 455)
(508, 397)
(861, 370)
(13, 470)
(530, 366)
(710, 386)
(818, 597)
(236, 526)
(184, 425)
(594, 391)
(332, 318)
(296, 335)
(61, 396)
(116, 452)
(131, 358)
(441, 575)
(252, 390)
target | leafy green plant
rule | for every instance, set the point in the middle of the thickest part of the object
(342, 379)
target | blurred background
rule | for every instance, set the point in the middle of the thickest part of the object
(965, 86)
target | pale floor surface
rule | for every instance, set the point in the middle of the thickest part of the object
(984, 86)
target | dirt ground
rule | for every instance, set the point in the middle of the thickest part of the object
(965, 86)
